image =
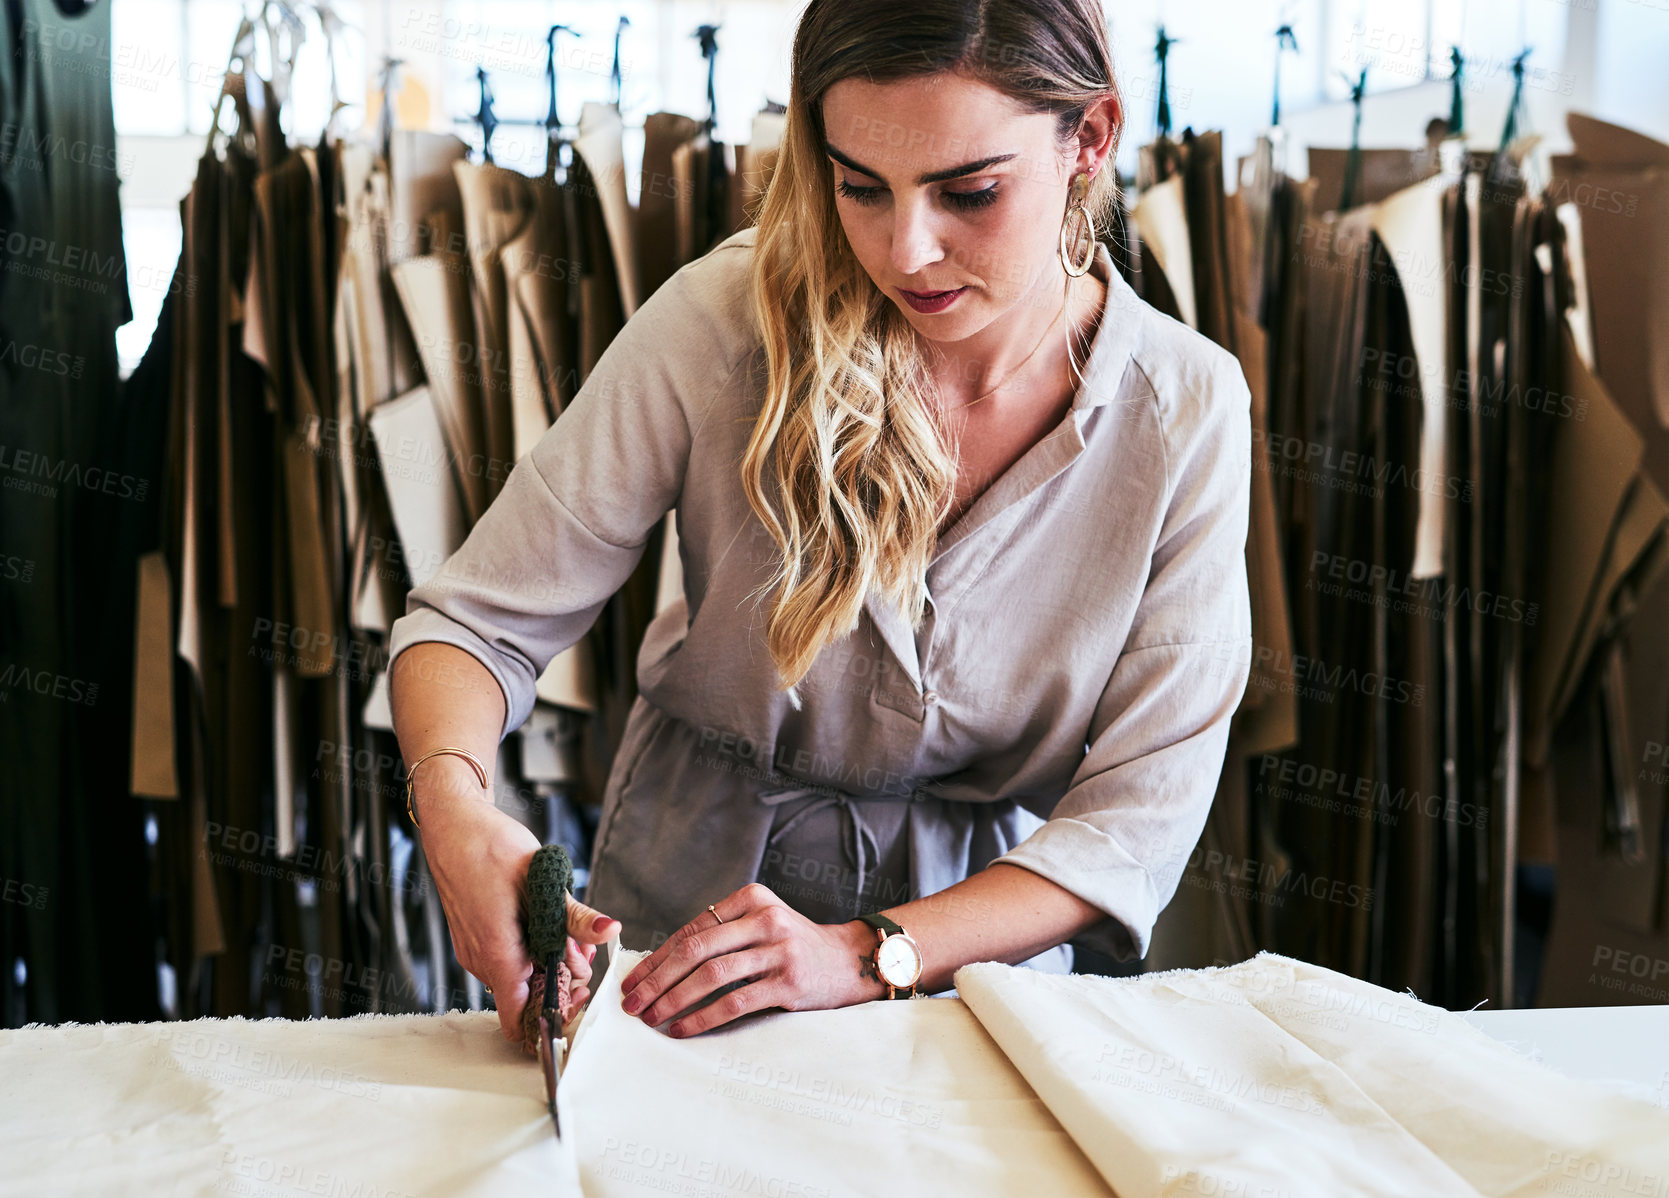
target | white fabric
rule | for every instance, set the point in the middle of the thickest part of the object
(373, 1107)
(1278, 1077)
(1621, 1048)
(1271, 1077)
(906, 1097)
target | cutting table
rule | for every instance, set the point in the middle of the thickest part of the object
(922, 1097)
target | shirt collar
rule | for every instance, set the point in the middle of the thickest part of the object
(1115, 340)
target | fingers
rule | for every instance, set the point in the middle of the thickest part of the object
(742, 902)
(507, 973)
(503, 967)
(680, 956)
(763, 955)
(587, 925)
(508, 969)
(510, 991)
(743, 906)
(573, 989)
(647, 966)
(756, 996)
(575, 1001)
(479, 858)
(712, 974)
(578, 960)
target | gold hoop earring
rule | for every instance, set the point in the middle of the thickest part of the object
(1080, 189)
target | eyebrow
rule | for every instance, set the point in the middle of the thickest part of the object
(955, 172)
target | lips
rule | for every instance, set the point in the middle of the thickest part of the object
(931, 301)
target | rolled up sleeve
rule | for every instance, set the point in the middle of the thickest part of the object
(1121, 835)
(576, 512)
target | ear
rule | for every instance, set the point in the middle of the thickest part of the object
(1098, 135)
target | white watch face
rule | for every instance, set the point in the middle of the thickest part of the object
(898, 961)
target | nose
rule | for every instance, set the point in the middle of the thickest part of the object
(915, 239)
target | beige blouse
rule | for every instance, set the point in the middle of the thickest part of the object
(1063, 706)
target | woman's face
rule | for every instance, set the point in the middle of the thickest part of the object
(946, 185)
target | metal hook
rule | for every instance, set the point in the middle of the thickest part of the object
(614, 72)
(1353, 160)
(553, 121)
(385, 122)
(1456, 109)
(1162, 51)
(243, 45)
(1285, 40)
(484, 115)
(707, 35)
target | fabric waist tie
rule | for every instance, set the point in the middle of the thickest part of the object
(857, 841)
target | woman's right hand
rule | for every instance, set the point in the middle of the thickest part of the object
(479, 857)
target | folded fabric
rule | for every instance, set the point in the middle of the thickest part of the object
(1275, 1076)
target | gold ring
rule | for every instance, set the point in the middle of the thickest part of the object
(716, 915)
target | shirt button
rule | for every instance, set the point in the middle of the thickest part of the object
(930, 698)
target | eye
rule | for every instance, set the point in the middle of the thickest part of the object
(863, 195)
(973, 199)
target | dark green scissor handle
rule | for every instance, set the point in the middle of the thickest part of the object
(549, 879)
(550, 876)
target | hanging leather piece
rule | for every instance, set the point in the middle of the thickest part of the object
(543, 377)
(1597, 695)
(608, 292)
(152, 772)
(1208, 246)
(541, 365)
(755, 163)
(498, 205)
(365, 373)
(1420, 436)
(434, 291)
(659, 252)
(420, 184)
(598, 147)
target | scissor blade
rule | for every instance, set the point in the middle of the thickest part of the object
(547, 1061)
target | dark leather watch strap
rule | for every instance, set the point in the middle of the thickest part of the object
(882, 923)
(891, 928)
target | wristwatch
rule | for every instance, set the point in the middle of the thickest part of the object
(897, 956)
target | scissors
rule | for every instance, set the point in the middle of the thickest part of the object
(549, 878)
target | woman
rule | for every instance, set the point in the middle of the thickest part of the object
(962, 531)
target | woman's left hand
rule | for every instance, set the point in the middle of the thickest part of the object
(784, 959)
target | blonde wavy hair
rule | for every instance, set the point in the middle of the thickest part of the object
(847, 436)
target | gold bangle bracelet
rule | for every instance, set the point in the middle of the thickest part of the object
(480, 773)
